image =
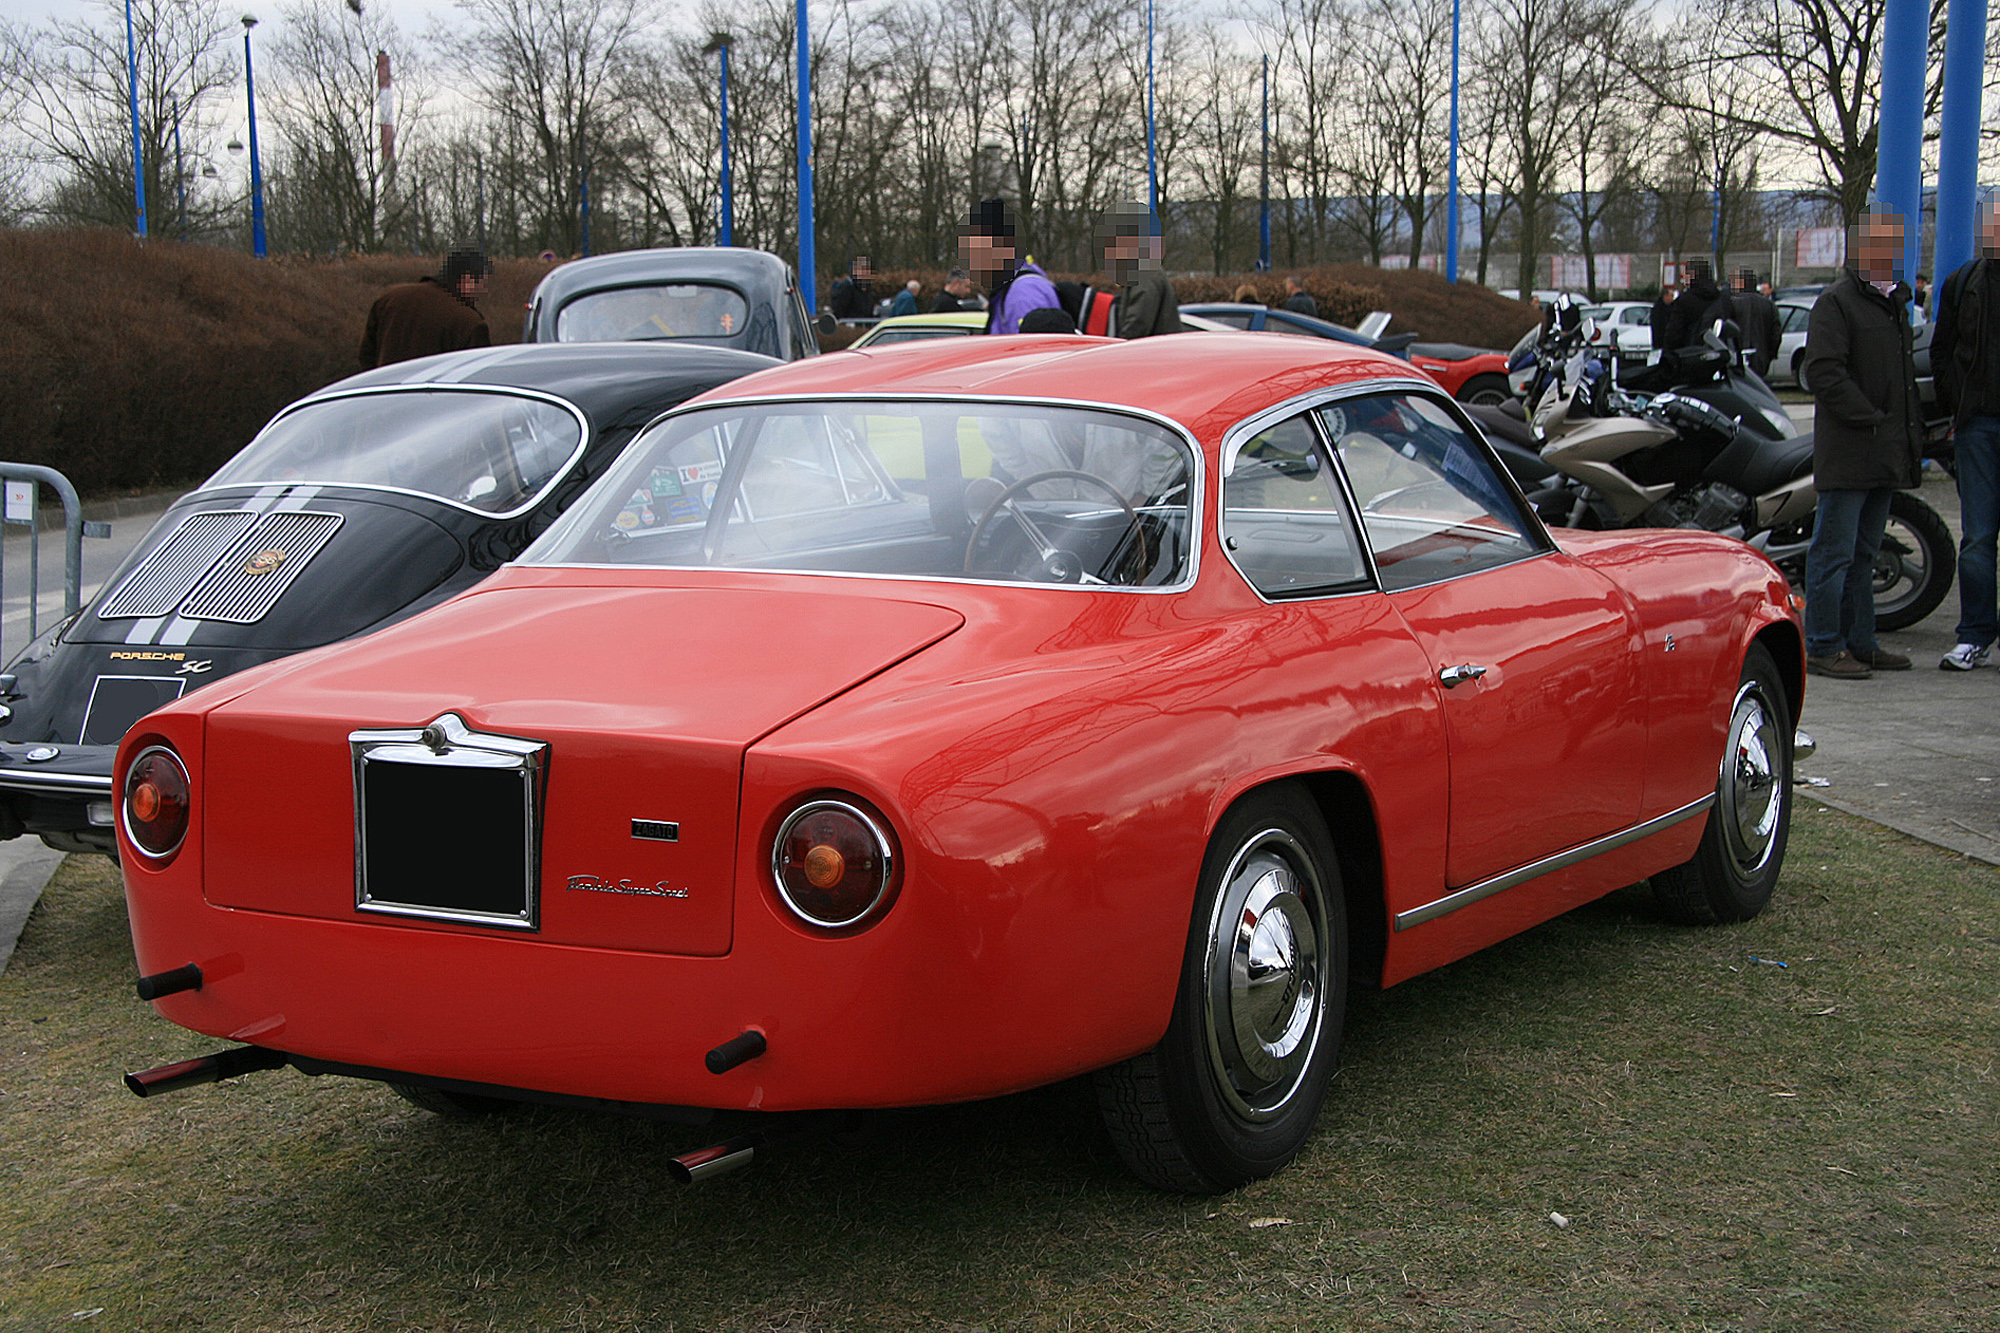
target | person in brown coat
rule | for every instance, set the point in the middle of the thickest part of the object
(1868, 429)
(429, 315)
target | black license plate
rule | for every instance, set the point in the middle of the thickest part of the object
(449, 835)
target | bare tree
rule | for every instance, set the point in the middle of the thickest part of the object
(328, 182)
(1805, 74)
(1306, 38)
(547, 72)
(77, 112)
(1407, 43)
(1534, 58)
(1224, 98)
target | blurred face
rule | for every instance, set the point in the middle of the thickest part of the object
(986, 254)
(1881, 236)
(1989, 230)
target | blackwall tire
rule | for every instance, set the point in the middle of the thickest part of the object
(1231, 1092)
(1742, 851)
(1486, 390)
(1914, 569)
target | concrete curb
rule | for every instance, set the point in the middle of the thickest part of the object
(26, 865)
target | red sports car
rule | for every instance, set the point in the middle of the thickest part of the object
(923, 724)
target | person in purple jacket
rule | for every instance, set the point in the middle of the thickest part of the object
(991, 251)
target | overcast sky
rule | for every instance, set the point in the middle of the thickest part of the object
(412, 16)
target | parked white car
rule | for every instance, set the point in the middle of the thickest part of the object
(1627, 326)
(1792, 317)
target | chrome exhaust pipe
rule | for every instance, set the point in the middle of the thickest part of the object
(1803, 747)
(717, 1159)
(703, 1163)
(204, 1069)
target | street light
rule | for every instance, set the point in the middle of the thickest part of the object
(256, 175)
(719, 43)
(1264, 182)
(808, 281)
(138, 154)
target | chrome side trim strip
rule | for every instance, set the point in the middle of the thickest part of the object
(1500, 883)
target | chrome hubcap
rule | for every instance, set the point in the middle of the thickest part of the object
(1751, 792)
(1266, 974)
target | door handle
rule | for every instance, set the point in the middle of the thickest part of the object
(1454, 675)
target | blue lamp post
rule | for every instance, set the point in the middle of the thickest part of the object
(138, 154)
(718, 44)
(1152, 169)
(1264, 182)
(808, 283)
(256, 172)
(1451, 172)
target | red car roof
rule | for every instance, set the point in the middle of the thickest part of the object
(1206, 381)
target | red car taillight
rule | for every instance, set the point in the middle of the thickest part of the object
(157, 802)
(832, 863)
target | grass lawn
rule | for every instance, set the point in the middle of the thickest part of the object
(1789, 1125)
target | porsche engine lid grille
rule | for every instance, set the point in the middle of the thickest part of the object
(245, 583)
(157, 586)
(230, 566)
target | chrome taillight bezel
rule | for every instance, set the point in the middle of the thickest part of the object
(884, 848)
(125, 820)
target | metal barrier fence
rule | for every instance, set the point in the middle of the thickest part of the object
(23, 483)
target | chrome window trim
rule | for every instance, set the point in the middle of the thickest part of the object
(1309, 403)
(1508, 879)
(1197, 506)
(434, 744)
(432, 387)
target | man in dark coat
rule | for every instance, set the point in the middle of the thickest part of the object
(1298, 299)
(1146, 305)
(1698, 306)
(853, 297)
(429, 315)
(957, 294)
(1965, 354)
(1868, 430)
(1757, 318)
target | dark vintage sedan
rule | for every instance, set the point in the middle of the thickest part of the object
(713, 295)
(355, 507)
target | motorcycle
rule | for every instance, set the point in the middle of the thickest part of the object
(1698, 441)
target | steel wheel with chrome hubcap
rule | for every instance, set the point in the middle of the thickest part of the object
(1742, 850)
(1231, 1092)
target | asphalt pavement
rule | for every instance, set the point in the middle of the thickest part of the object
(1917, 750)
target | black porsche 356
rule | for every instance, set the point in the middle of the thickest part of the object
(357, 506)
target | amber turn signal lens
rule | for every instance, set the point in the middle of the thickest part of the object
(832, 863)
(157, 802)
(825, 867)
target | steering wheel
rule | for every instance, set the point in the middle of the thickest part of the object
(1058, 565)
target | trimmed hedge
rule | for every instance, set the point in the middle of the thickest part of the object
(137, 365)
(134, 365)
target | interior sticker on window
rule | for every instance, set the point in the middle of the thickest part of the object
(665, 481)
